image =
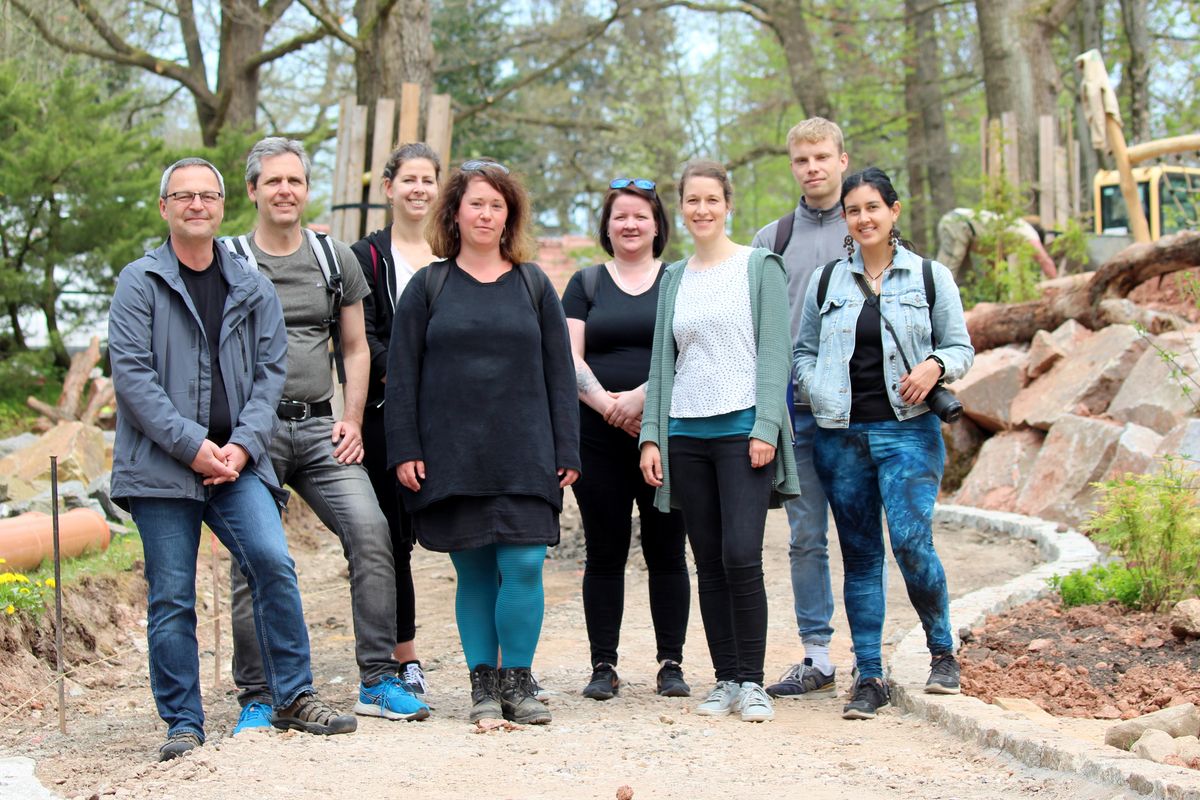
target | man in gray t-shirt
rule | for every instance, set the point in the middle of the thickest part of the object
(818, 160)
(319, 457)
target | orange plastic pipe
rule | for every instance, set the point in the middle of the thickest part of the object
(28, 540)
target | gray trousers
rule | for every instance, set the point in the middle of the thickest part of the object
(342, 497)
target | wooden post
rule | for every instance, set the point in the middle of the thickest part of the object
(1012, 155)
(216, 590)
(1062, 197)
(410, 113)
(58, 622)
(995, 160)
(381, 148)
(341, 193)
(985, 147)
(1047, 141)
(440, 127)
(1133, 203)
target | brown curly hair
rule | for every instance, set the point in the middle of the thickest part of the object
(516, 242)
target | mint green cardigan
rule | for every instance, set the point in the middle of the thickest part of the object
(772, 423)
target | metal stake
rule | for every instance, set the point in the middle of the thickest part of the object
(58, 617)
(216, 583)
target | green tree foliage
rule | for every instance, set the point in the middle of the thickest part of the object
(78, 197)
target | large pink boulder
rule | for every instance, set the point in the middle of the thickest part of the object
(1048, 347)
(1182, 441)
(1077, 452)
(988, 389)
(1152, 395)
(1000, 470)
(1083, 384)
(1134, 452)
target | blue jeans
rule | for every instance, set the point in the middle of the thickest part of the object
(343, 499)
(895, 467)
(808, 547)
(245, 518)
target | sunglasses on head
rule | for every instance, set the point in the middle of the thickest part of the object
(477, 165)
(641, 183)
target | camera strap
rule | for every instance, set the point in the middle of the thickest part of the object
(871, 299)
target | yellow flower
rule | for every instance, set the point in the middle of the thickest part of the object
(50, 582)
(19, 578)
(3, 561)
(23, 590)
(10, 609)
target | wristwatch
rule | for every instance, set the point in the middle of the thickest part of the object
(941, 364)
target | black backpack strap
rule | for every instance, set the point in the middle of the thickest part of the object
(535, 284)
(930, 295)
(328, 262)
(590, 277)
(783, 232)
(823, 282)
(435, 279)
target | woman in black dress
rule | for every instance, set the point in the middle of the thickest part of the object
(610, 311)
(483, 425)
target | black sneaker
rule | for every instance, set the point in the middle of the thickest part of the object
(802, 679)
(177, 744)
(604, 684)
(870, 695)
(311, 714)
(670, 682)
(485, 693)
(943, 675)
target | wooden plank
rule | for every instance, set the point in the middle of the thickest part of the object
(381, 148)
(440, 128)
(994, 151)
(1062, 194)
(985, 134)
(1012, 154)
(1077, 180)
(341, 168)
(1047, 181)
(355, 163)
(410, 113)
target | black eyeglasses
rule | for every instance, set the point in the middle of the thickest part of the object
(186, 198)
(477, 165)
(641, 183)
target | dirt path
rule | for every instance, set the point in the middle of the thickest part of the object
(655, 745)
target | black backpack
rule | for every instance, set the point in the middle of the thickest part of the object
(926, 277)
(435, 275)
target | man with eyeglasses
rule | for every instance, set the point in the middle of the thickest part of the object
(197, 343)
(321, 289)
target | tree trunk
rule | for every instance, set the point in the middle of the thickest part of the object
(786, 20)
(918, 199)
(244, 28)
(1135, 78)
(1089, 29)
(14, 319)
(398, 49)
(926, 100)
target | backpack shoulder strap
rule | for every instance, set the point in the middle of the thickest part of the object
(330, 268)
(930, 294)
(783, 232)
(535, 284)
(591, 276)
(823, 281)
(435, 275)
(240, 245)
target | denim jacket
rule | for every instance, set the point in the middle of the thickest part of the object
(826, 342)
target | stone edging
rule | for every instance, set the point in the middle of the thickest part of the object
(1015, 734)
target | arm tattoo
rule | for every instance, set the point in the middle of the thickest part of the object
(585, 381)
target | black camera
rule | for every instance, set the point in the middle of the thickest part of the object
(942, 402)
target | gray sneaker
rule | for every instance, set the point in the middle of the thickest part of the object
(802, 679)
(943, 675)
(721, 700)
(754, 703)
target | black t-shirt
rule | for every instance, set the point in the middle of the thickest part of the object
(869, 400)
(208, 290)
(619, 332)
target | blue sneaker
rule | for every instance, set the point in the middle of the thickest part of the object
(255, 716)
(390, 700)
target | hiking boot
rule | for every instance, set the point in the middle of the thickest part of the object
(517, 701)
(802, 679)
(670, 682)
(870, 695)
(254, 716)
(943, 675)
(485, 693)
(754, 704)
(413, 678)
(177, 744)
(390, 700)
(721, 700)
(311, 714)
(604, 684)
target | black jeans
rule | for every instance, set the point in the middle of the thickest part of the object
(611, 485)
(724, 502)
(387, 491)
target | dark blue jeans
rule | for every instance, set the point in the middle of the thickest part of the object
(894, 467)
(245, 518)
(724, 502)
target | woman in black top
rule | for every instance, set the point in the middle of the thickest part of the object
(483, 425)
(389, 257)
(610, 310)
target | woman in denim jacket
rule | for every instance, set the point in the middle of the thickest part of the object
(877, 446)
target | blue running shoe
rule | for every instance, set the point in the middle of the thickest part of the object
(255, 716)
(390, 700)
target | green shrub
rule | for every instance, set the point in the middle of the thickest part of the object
(1100, 583)
(1153, 522)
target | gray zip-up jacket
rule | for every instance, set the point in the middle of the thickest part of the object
(161, 370)
(817, 238)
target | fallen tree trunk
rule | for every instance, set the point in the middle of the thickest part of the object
(1095, 299)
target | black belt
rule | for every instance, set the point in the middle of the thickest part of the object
(297, 411)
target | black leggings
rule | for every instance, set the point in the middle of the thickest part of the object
(387, 491)
(610, 485)
(724, 503)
